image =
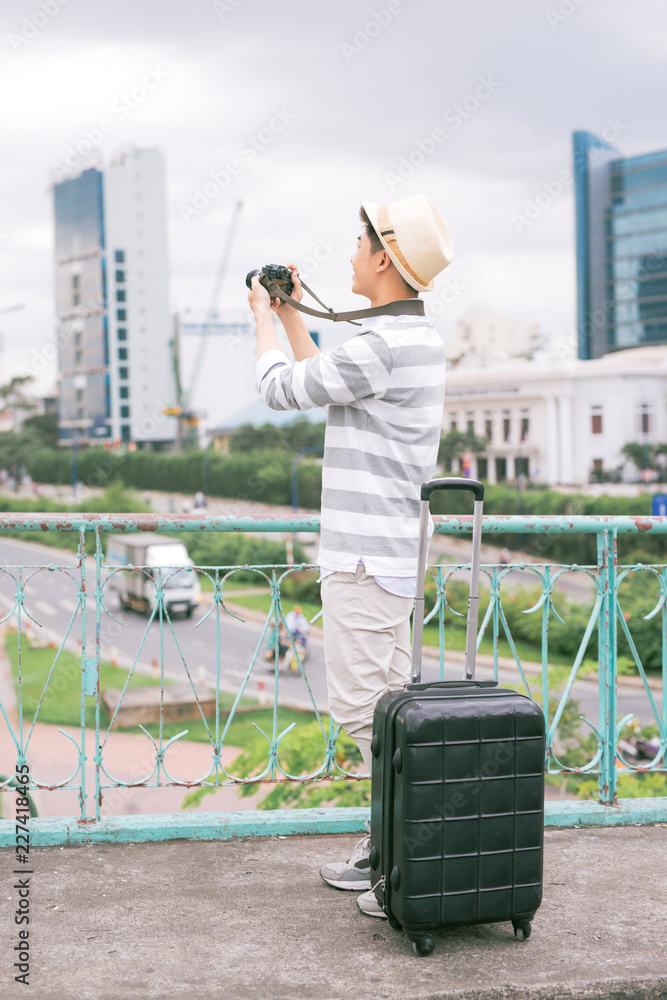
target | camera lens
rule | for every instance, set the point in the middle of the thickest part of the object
(249, 276)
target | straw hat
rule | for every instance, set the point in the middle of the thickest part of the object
(415, 236)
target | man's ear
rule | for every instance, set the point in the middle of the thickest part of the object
(384, 263)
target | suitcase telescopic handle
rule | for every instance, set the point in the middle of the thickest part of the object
(477, 489)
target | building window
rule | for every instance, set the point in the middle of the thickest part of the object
(596, 420)
(122, 353)
(121, 315)
(470, 423)
(120, 295)
(645, 419)
(452, 424)
(506, 426)
(521, 467)
(119, 256)
(125, 411)
(482, 468)
(488, 425)
(124, 392)
(79, 395)
(78, 357)
(501, 470)
(120, 276)
(76, 296)
(122, 333)
(525, 425)
(125, 431)
(122, 373)
(597, 465)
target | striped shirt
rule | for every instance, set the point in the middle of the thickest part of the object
(384, 389)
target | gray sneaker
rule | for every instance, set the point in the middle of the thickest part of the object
(369, 905)
(353, 874)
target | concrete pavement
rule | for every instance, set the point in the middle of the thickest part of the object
(251, 920)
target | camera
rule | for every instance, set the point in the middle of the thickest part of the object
(273, 272)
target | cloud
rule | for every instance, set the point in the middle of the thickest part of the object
(354, 118)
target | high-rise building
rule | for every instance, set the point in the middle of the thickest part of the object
(112, 296)
(621, 247)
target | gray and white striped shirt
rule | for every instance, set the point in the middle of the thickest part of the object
(384, 389)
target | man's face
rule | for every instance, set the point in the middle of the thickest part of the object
(364, 266)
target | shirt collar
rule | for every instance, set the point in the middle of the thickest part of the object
(413, 307)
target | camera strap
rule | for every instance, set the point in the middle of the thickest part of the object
(403, 307)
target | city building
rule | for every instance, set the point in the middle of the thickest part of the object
(112, 299)
(621, 247)
(483, 331)
(563, 423)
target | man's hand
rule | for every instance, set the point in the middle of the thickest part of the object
(258, 299)
(277, 305)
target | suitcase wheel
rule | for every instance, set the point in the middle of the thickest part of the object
(423, 945)
(522, 930)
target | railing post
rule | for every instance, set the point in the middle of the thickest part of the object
(607, 643)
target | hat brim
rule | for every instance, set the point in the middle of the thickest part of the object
(371, 210)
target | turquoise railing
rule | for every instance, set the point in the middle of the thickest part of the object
(91, 625)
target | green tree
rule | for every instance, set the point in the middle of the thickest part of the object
(454, 443)
(250, 438)
(645, 455)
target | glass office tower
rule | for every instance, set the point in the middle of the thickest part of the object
(83, 396)
(621, 247)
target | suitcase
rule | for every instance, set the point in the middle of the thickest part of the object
(457, 801)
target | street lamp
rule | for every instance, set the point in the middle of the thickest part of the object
(75, 470)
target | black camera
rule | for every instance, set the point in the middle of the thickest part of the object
(282, 276)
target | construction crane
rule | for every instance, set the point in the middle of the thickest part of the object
(188, 419)
(7, 309)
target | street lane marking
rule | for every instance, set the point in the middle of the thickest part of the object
(45, 607)
(68, 606)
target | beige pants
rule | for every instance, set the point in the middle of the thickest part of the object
(366, 649)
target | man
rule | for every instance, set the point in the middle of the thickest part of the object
(384, 389)
(297, 625)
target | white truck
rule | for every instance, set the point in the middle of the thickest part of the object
(161, 559)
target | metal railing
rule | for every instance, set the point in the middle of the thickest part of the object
(91, 626)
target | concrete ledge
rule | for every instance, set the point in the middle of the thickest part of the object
(250, 919)
(291, 822)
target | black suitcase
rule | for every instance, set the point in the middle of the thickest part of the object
(457, 804)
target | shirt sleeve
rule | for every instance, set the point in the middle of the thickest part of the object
(267, 361)
(359, 369)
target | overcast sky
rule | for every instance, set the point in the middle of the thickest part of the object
(321, 104)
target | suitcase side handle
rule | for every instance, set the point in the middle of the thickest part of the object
(449, 483)
(451, 684)
(453, 483)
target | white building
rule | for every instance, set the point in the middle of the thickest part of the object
(483, 331)
(112, 291)
(559, 423)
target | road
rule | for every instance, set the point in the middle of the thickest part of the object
(51, 599)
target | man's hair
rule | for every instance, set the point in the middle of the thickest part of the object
(376, 245)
